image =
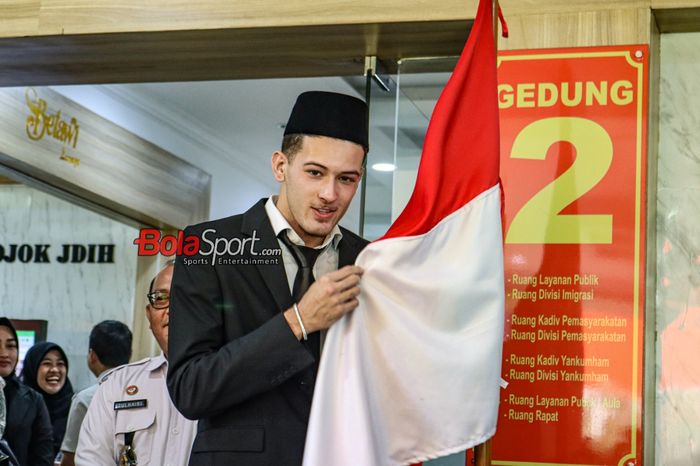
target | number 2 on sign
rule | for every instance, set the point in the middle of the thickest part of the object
(539, 221)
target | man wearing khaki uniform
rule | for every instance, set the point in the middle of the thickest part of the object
(131, 419)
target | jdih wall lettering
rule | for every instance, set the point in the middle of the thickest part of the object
(68, 254)
(573, 151)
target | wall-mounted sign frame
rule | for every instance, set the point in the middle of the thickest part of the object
(573, 145)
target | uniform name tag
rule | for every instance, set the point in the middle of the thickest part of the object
(131, 404)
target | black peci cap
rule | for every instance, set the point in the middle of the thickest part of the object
(329, 114)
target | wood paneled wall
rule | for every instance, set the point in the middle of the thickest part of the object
(72, 17)
(101, 41)
(221, 53)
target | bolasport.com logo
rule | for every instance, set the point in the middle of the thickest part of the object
(209, 249)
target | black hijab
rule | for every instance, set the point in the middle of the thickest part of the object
(58, 403)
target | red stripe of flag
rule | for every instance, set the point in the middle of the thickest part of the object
(460, 157)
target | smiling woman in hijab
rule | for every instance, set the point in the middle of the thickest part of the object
(28, 428)
(46, 371)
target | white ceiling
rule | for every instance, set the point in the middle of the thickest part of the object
(230, 128)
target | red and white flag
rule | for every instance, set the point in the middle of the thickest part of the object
(413, 373)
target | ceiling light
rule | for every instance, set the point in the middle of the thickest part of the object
(384, 167)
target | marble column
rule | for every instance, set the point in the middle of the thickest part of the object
(678, 260)
(72, 297)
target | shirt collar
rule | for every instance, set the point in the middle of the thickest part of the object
(280, 224)
(156, 363)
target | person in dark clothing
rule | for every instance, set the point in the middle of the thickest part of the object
(46, 371)
(245, 334)
(7, 458)
(28, 428)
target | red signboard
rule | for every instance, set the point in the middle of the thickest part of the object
(573, 153)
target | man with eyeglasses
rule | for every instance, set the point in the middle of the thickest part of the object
(131, 420)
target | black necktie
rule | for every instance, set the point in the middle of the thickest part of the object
(305, 259)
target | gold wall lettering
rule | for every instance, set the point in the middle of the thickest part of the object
(75, 161)
(40, 124)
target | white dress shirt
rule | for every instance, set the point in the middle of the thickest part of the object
(78, 409)
(327, 261)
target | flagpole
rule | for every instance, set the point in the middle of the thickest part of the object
(482, 452)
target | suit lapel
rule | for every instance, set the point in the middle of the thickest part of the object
(274, 276)
(348, 251)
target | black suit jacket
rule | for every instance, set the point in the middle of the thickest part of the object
(28, 428)
(234, 363)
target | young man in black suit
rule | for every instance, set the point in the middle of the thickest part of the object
(245, 327)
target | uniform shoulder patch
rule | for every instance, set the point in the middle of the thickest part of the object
(106, 375)
(140, 362)
(114, 370)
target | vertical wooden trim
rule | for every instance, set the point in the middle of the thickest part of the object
(482, 453)
(144, 343)
(649, 387)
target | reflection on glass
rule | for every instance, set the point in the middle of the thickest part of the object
(420, 82)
